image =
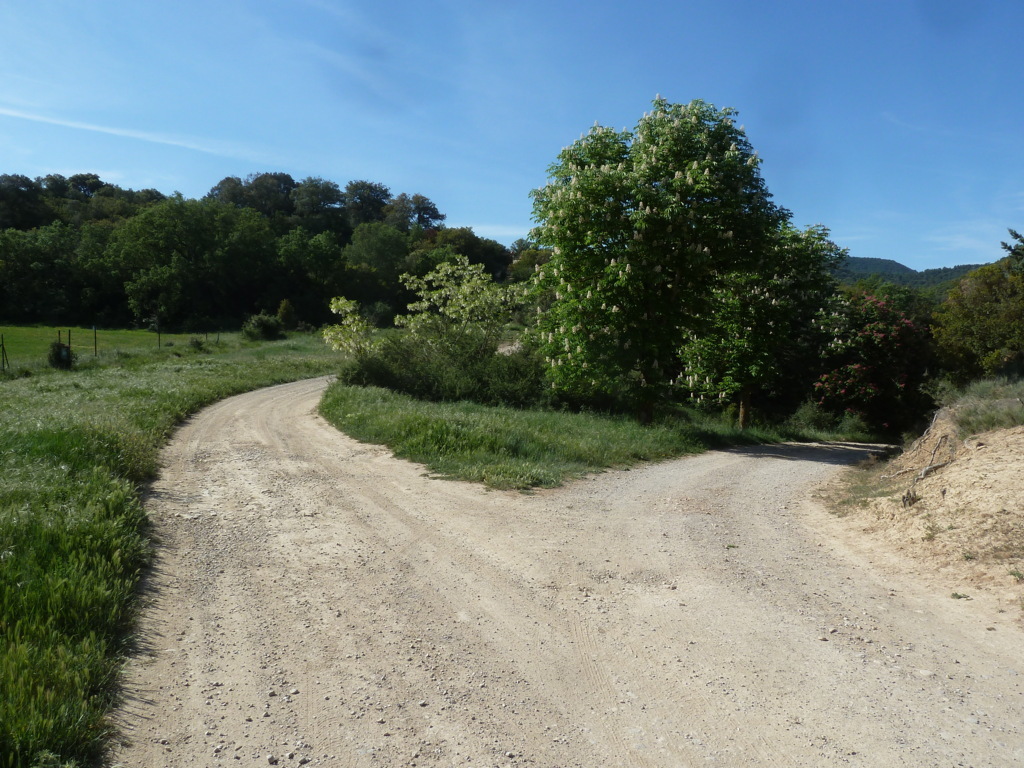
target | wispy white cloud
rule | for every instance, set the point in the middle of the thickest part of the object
(220, 148)
(351, 19)
(361, 69)
(929, 129)
(977, 240)
(959, 241)
(889, 117)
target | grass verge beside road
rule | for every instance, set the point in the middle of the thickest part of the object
(510, 448)
(75, 448)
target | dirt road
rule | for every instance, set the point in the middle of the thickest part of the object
(319, 602)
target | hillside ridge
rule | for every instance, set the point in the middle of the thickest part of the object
(855, 268)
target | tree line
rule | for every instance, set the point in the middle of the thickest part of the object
(661, 271)
(81, 250)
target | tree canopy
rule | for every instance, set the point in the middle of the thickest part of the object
(644, 226)
(79, 249)
(761, 330)
(980, 326)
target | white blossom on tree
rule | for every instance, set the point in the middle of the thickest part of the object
(643, 226)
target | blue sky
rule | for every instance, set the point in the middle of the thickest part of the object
(896, 124)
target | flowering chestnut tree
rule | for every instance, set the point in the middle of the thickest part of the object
(762, 329)
(643, 227)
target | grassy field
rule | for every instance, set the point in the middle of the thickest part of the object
(75, 447)
(27, 346)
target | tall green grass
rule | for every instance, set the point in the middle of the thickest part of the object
(510, 448)
(986, 404)
(74, 449)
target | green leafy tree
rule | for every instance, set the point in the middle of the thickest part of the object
(22, 205)
(408, 212)
(102, 297)
(351, 332)
(1016, 250)
(287, 315)
(319, 207)
(459, 305)
(380, 253)
(86, 198)
(190, 262)
(271, 194)
(980, 326)
(526, 259)
(463, 241)
(425, 213)
(312, 269)
(919, 304)
(761, 331)
(268, 193)
(39, 277)
(231, 191)
(85, 185)
(365, 202)
(644, 226)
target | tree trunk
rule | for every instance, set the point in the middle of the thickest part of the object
(745, 407)
(645, 412)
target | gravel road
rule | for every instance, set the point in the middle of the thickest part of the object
(317, 602)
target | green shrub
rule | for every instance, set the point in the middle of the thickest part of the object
(380, 314)
(404, 363)
(263, 327)
(515, 379)
(449, 350)
(810, 416)
(853, 427)
(287, 315)
(982, 405)
(61, 356)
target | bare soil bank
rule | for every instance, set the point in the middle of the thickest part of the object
(955, 508)
(317, 600)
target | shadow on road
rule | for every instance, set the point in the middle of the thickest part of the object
(840, 454)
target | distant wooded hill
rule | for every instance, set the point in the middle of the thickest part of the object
(855, 268)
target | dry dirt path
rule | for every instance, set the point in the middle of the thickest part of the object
(317, 600)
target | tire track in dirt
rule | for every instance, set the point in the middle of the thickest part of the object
(315, 597)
